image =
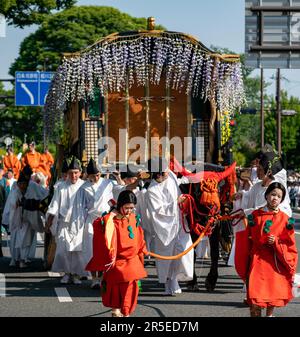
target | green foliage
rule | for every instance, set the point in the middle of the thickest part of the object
(20, 121)
(240, 158)
(246, 133)
(70, 31)
(290, 129)
(27, 12)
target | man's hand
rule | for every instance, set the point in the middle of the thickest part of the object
(181, 199)
(237, 196)
(49, 223)
(132, 186)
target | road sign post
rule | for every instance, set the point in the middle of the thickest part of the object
(272, 36)
(31, 87)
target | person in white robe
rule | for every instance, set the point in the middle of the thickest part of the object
(22, 213)
(162, 199)
(269, 170)
(244, 187)
(133, 179)
(68, 255)
(91, 201)
(64, 174)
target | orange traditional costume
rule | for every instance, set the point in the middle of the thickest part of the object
(268, 270)
(46, 163)
(11, 161)
(118, 250)
(47, 158)
(33, 159)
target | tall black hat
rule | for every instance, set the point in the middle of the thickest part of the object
(65, 166)
(74, 164)
(27, 171)
(92, 167)
(22, 178)
(271, 161)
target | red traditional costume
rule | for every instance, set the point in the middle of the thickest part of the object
(11, 161)
(268, 270)
(118, 250)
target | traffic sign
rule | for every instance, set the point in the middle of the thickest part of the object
(248, 111)
(31, 87)
(272, 34)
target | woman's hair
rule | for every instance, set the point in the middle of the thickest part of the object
(273, 186)
(126, 197)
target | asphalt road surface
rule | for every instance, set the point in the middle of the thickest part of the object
(34, 292)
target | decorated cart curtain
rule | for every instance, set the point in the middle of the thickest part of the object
(142, 58)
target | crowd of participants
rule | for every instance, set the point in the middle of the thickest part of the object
(108, 222)
(294, 189)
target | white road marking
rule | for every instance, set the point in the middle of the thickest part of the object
(298, 233)
(28, 92)
(63, 295)
(2, 286)
(53, 274)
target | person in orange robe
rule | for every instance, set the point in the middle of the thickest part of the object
(48, 161)
(11, 161)
(32, 158)
(118, 250)
(47, 157)
(267, 257)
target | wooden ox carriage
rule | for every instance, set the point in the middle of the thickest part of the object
(148, 84)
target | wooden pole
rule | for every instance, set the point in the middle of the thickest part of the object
(262, 111)
(278, 102)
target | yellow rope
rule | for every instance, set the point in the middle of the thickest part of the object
(176, 257)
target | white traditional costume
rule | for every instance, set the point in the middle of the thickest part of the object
(68, 255)
(256, 196)
(170, 238)
(91, 201)
(24, 221)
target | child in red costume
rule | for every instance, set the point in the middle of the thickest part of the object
(118, 250)
(268, 257)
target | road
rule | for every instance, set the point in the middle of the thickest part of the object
(34, 292)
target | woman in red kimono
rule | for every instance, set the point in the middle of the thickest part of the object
(118, 251)
(268, 256)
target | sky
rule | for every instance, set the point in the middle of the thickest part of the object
(214, 22)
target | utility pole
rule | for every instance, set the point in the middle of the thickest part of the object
(262, 111)
(278, 104)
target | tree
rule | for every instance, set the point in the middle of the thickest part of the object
(70, 31)
(290, 128)
(20, 121)
(246, 132)
(27, 12)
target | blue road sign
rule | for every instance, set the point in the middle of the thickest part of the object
(31, 87)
